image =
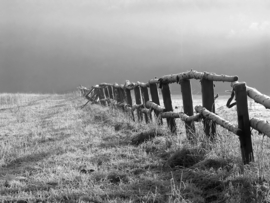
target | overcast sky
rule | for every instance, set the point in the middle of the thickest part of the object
(55, 45)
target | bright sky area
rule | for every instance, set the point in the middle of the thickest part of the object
(56, 45)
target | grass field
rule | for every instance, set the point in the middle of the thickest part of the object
(51, 150)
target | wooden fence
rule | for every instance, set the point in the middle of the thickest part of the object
(120, 95)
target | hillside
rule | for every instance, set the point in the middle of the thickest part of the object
(52, 150)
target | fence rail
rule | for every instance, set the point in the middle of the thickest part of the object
(120, 96)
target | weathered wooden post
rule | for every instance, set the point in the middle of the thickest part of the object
(166, 94)
(119, 95)
(96, 93)
(154, 95)
(110, 88)
(145, 97)
(188, 106)
(122, 95)
(208, 101)
(243, 122)
(101, 96)
(107, 94)
(129, 101)
(138, 101)
(116, 92)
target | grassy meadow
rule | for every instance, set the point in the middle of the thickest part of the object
(52, 150)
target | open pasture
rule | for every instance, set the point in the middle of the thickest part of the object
(52, 150)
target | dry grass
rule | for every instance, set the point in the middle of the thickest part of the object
(53, 151)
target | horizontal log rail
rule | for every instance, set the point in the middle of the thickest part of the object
(198, 76)
(119, 96)
(116, 85)
(217, 119)
(129, 85)
(152, 105)
(105, 84)
(142, 84)
(137, 106)
(181, 115)
(176, 78)
(96, 87)
(257, 96)
(184, 117)
(260, 125)
(146, 111)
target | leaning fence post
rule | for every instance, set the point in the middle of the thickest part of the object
(208, 101)
(166, 94)
(138, 101)
(145, 97)
(116, 93)
(129, 101)
(122, 95)
(243, 122)
(110, 88)
(96, 92)
(107, 94)
(101, 96)
(119, 96)
(188, 106)
(155, 97)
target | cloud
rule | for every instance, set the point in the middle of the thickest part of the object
(254, 26)
(247, 24)
(259, 27)
(263, 26)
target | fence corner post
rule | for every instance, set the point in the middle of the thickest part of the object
(243, 122)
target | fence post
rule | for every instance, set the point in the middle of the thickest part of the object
(145, 96)
(208, 101)
(96, 92)
(188, 106)
(116, 92)
(243, 122)
(107, 94)
(138, 101)
(119, 96)
(166, 94)
(129, 102)
(110, 88)
(101, 96)
(122, 96)
(155, 97)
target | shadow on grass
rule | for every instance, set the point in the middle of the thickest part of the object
(22, 164)
(114, 142)
(56, 137)
(34, 187)
(26, 163)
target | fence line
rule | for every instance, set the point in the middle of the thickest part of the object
(120, 96)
